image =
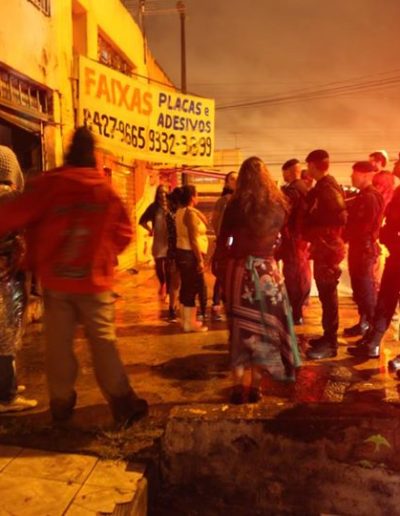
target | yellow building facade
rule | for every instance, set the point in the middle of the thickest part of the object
(42, 46)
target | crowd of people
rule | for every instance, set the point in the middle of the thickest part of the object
(310, 219)
(266, 237)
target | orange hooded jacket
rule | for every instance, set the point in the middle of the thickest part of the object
(76, 227)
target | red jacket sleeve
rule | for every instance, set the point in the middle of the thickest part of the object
(24, 209)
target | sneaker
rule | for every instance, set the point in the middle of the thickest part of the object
(21, 389)
(18, 404)
(216, 313)
(172, 317)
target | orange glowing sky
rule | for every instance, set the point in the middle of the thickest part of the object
(241, 51)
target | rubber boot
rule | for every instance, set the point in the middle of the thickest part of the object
(196, 325)
(189, 322)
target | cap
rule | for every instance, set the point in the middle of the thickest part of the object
(364, 167)
(317, 155)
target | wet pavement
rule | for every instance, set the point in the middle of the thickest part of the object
(170, 368)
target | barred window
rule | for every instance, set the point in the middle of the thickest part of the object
(43, 5)
(110, 56)
(16, 91)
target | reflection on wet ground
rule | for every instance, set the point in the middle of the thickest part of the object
(169, 367)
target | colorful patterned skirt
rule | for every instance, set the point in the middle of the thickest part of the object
(259, 317)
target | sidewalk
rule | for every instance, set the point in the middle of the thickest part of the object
(35, 482)
(170, 368)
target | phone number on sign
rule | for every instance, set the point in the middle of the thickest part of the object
(140, 138)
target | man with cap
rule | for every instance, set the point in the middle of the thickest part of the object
(294, 249)
(324, 221)
(389, 290)
(365, 214)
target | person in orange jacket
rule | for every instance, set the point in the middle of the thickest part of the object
(77, 226)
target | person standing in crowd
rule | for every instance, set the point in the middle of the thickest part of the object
(365, 213)
(77, 226)
(261, 335)
(383, 178)
(191, 249)
(307, 179)
(216, 219)
(156, 215)
(12, 291)
(324, 221)
(384, 182)
(294, 249)
(174, 200)
(389, 291)
(379, 160)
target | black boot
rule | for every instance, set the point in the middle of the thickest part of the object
(368, 347)
(360, 328)
(316, 342)
(325, 348)
(394, 365)
(374, 345)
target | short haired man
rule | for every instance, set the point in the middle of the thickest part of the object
(365, 213)
(324, 221)
(77, 226)
(378, 160)
(294, 249)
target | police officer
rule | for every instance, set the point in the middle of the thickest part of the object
(365, 213)
(294, 249)
(324, 221)
(389, 290)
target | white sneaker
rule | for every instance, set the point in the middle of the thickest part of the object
(18, 404)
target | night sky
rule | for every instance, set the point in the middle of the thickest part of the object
(245, 51)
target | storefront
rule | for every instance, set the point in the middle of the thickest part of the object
(139, 127)
(26, 108)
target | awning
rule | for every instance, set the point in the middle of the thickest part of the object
(32, 126)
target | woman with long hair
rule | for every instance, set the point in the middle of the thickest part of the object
(154, 220)
(191, 249)
(259, 315)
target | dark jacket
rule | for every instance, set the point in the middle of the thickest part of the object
(390, 232)
(244, 240)
(324, 220)
(365, 217)
(325, 205)
(296, 192)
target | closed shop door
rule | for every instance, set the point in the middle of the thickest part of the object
(124, 184)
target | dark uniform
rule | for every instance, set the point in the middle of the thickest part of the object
(294, 249)
(324, 221)
(365, 213)
(389, 290)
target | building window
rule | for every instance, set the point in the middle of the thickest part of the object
(42, 5)
(17, 92)
(112, 57)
